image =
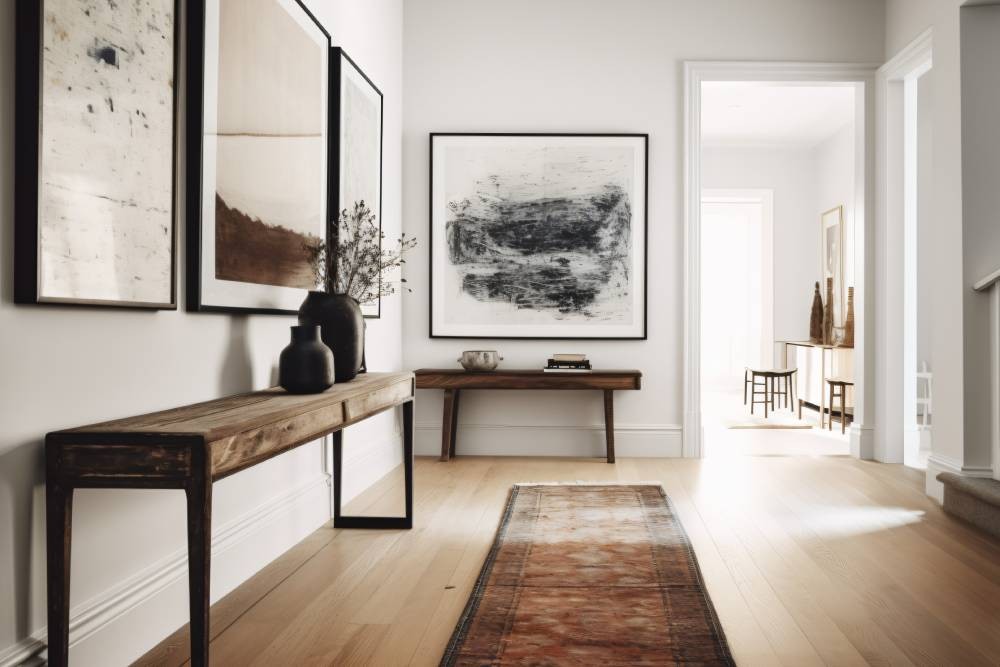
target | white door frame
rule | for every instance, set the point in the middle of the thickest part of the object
(765, 198)
(862, 78)
(895, 213)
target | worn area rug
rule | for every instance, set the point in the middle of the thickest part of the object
(589, 575)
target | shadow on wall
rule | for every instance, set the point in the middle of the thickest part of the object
(236, 375)
(22, 471)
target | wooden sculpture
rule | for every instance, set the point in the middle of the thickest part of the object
(828, 314)
(816, 318)
(849, 320)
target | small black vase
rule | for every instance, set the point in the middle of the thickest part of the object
(306, 365)
(343, 329)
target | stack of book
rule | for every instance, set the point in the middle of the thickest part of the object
(568, 363)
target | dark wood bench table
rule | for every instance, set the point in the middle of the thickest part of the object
(191, 447)
(456, 380)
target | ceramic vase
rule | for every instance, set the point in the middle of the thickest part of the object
(816, 317)
(306, 365)
(342, 328)
(849, 320)
(828, 314)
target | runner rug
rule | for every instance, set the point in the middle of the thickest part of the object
(589, 575)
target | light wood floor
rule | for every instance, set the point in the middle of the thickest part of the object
(809, 561)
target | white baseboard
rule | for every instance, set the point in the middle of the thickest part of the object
(121, 624)
(863, 443)
(631, 440)
(938, 463)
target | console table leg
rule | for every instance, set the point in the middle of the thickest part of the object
(448, 423)
(454, 420)
(408, 459)
(338, 459)
(199, 511)
(59, 520)
(376, 522)
(609, 423)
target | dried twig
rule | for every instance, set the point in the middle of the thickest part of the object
(358, 265)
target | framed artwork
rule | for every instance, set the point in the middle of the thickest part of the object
(538, 236)
(94, 149)
(356, 113)
(832, 257)
(258, 127)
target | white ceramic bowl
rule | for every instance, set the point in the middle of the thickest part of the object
(480, 360)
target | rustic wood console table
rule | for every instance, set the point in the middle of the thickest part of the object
(191, 447)
(454, 381)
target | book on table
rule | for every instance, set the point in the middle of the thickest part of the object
(568, 363)
(553, 363)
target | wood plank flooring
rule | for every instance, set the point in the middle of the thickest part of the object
(809, 561)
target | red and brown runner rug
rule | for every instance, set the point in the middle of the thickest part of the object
(589, 575)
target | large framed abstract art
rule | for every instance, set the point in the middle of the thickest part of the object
(356, 110)
(94, 151)
(538, 235)
(258, 153)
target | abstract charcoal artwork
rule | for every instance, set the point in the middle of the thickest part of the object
(260, 198)
(538, 236)
(95, 148)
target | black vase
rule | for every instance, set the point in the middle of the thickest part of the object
(306, 365)
(343, 330)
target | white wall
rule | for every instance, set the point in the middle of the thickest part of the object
(791, 174)
(959, 443)
(926, 254)
(806, 181)
(63, 367)
(980, 54)
(588, 66)
(836, 182)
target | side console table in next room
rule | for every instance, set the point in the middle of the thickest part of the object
(454, 381)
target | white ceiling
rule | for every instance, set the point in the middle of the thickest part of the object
(737, 113)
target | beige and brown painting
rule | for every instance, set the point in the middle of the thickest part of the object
(265, 150)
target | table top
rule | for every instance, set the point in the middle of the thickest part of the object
(458, 378)
(224, 417)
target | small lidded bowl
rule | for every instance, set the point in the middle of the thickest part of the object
(480, 360)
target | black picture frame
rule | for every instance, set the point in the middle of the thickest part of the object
(195, 93)
(645, 233)
(28, 100)
(338, 59)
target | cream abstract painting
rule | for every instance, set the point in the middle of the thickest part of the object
(105, 204)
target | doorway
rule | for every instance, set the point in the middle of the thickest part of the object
(737, 290)
(730, 270)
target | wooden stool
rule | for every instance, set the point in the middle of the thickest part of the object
(771, 382)
(838, 389)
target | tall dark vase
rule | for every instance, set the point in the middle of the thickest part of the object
(306, 365)
(343, 329)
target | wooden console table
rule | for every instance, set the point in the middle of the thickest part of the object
(191, 447)
(454, 381)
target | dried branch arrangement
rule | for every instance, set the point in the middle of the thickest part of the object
(355, 263)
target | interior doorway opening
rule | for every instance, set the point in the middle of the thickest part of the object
(781, 166)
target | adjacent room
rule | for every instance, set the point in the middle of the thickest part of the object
(535, 332)
(779, 171)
